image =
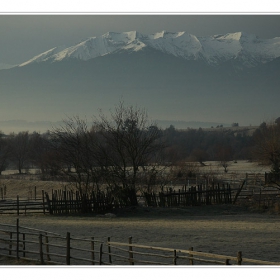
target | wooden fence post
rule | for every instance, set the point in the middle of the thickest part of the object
(10, 243)
(130, 254)
(47, 247)
(65, 202)
(50, 207)
(92, 250)
(23, 244)
(109, 251)
(227, 262)
(68, 248)
(17, 238)
(17, 205)
(191, 256)
(100, 254)
(239, 258)
(175, 258)
(41, 249)
(43, 199)
(260, 198)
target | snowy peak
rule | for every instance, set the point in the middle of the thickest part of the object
(248, 49)
(122, 37)
(179, 44)
(44, 56)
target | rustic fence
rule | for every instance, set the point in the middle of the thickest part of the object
(190, 196)
(261, 198)
(67, 202)
(43, 247)
(3, 192)
(23, 206)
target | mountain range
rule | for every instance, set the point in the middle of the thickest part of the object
(174, 75)
(249, 50)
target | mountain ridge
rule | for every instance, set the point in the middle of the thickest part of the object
(242, 89)
(248, 48)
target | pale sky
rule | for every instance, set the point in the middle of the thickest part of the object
(26, 35)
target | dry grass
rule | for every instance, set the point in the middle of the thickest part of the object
(224, 229)
(25, 189)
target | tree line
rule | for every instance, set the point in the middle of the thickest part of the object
(126, 150)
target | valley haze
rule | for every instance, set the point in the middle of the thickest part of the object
(179, 78)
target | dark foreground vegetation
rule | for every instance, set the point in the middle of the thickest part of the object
(125, 152)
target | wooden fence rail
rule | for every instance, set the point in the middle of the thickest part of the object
(23, 206)
(66, 202)
(190, 196)
(45, 247)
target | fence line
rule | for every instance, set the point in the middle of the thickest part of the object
(191, 196)
(21, 206)
(68, 202)
(46, 247)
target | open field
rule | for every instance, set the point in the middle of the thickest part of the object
(217, 229)
(223, 229)
(23, 185)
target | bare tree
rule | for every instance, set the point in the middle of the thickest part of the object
(199, 155)
(5, 152)
(75, 149)
(19, 145)
(267, 149)
(40, 150)
(224, 155)
(130, 143)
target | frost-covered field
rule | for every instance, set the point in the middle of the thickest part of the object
(26, 188)
(224, 229)
(221, 230)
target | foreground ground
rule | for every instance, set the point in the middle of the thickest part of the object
(224, 229)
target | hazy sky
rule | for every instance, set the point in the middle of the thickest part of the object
(26, 35)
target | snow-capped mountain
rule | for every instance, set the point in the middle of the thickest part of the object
(247, 49)
(173, 75)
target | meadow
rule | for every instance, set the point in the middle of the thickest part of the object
(219, 229)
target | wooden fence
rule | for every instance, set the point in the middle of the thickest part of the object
(190, 196)
(69, 202)
(3, 191)
(66, 202)
(261, 198)
(20, 206)
(43, 247)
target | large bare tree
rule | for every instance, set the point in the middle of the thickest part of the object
(75, 151)
(130, 143)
